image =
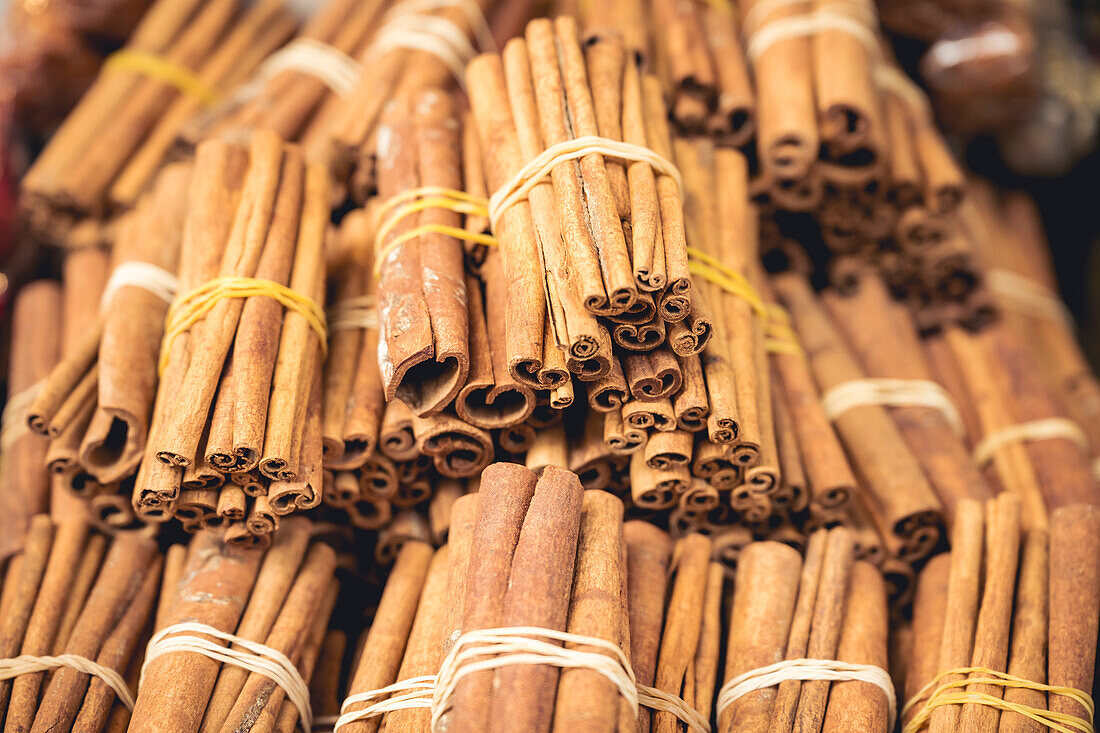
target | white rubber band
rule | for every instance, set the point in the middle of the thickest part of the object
(808, 669)
(338, 71)
(360, 312)
(1045, 429)
(13, 421)
(145, 275)
(250, 655)
(892, 393)
(1026, 296)
(506, 647)
(531, 174)
(29, 664)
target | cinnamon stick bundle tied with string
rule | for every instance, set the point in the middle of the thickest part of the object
(179, 59)
(75, 602)
(250, 363)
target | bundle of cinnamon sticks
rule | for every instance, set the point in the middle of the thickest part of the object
(281, 598)
(1004, 625)
(178, 60)
(543, 554)
(791, 611)
(72, 598)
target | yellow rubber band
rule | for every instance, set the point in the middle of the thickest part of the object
(779, 336)
(189, 309)
(161, 69)
(415, 200)
(941, 697)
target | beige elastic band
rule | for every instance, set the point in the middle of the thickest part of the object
(530, 175)
(808, 669)
(892, 393)
(145, 275)
(29, 664)
(1026, 296)
(249, 655)
(1046, 429)
(357, 312)
(338, 71)
(13, 421)
(488, 649)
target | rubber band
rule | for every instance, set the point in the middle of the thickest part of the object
(415, 200)
(334, 68)
(538, 168)
(189, 309)
(157, 67)
(810, 24)
(892, 393)
(808, 669)
(488, 649)
(941, 697)
(13, 421)
(360, 312)
(250, 655)
(145, 275)
(1026, 296)
(29, 664)
(1045, 429)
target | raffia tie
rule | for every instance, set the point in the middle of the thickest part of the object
(488, 649)
(892, 393)
(13, 421)
(539, 168)
(248, 655)
(165, 70)
(410, 25)
(145, 275)
(936, 695)
(857, 18)
(415, 200)
(188, 310)
(360, 312)
(1045, 429)
(29, 664)
(1026, 296)
(829, 670)
(331, 66)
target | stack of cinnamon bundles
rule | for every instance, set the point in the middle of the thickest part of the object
(179, 59)
(71, 593)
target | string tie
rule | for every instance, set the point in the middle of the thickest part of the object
(246, 654)
(892, 393)
(1045, 429)
(808, 669)
(29, 664)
